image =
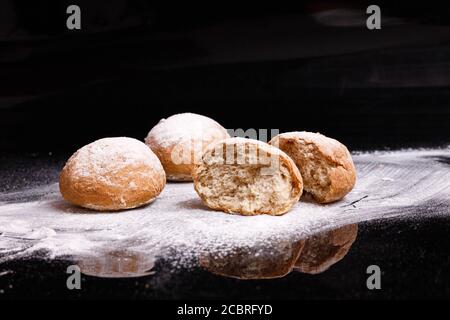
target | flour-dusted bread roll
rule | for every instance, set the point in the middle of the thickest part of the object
(179, 142)
(247, 177)
(323, 250)
(326, 165)
(112, 174)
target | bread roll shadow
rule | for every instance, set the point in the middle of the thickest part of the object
(69, 208)
(194, 204)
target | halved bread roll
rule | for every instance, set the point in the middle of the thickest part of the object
(247, 177)
(325, 164)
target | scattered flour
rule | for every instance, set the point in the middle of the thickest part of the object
(179, 226)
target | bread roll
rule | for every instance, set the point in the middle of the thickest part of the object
(179, 142)
(112, 174)
(323, 250)
(326, 165)
(247, 177)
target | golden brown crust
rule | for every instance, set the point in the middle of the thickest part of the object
(180, 140)
(341, 172)
(112, 174)
(174, 172)
(240, 149)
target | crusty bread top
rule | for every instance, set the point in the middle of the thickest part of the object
(184, 128)
(104, 157)
(179, 141)
(112, 174)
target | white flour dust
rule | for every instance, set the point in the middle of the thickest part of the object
(178, 225)
(172, 131)
(106, 155)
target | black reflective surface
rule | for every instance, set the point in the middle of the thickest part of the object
(411, 250)
(248, 67)
(410, 253)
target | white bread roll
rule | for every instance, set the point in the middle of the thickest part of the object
(247, 177)
(326, 165)
(112, 174)
(179, 142)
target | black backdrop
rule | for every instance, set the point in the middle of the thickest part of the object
(313, 66)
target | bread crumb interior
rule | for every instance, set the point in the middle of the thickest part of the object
(313, 167)
(245, 189)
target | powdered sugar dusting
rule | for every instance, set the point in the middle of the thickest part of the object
(184, 128)
(104, 157)
(179, 226)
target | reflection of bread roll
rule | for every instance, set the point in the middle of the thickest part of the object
(180, 140)
(324, 250)
(112, 174)
(325, 164)
(247, 177)
(117, 264)
(263, 262)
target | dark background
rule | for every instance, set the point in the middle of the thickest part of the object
(291, 67)
(247, 66)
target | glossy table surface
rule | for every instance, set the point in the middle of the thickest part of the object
(315, 67)
(409, 243)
